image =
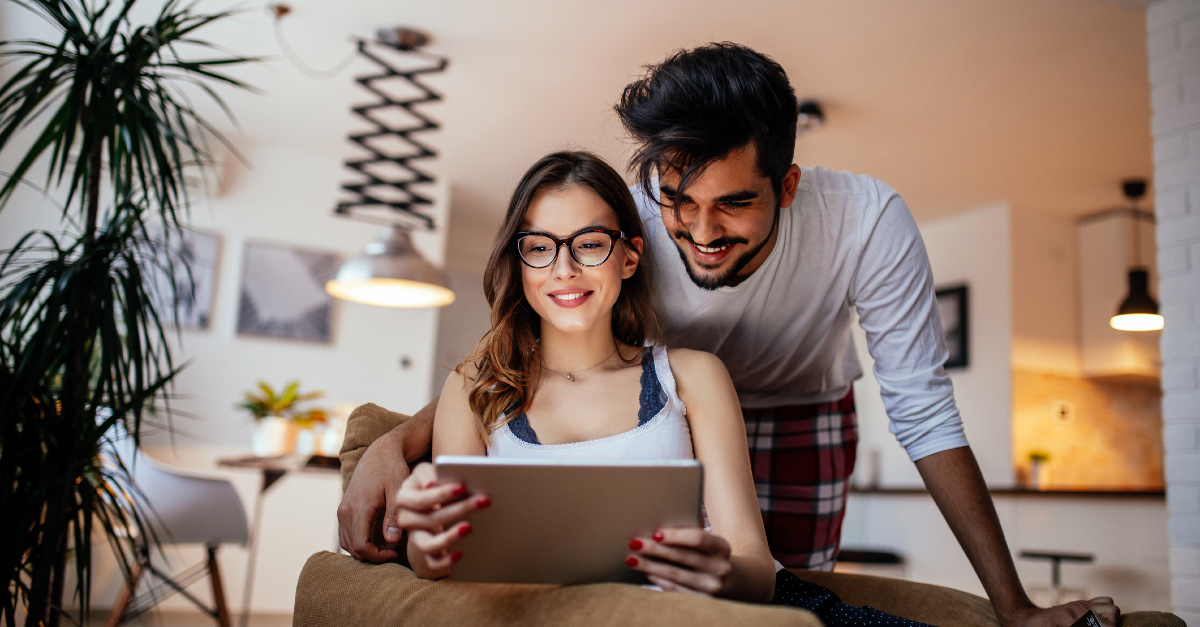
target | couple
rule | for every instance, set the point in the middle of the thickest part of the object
(770, 258)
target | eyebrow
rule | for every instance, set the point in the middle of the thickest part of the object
(533, 231)
(738, 196)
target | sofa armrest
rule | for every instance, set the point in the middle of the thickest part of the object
(365, 424)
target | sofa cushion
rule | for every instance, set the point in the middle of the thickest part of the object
(338, 590)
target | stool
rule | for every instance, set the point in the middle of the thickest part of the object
(1056, 559)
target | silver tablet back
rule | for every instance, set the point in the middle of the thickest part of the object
(567, 522)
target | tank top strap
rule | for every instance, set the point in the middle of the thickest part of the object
(666, 378)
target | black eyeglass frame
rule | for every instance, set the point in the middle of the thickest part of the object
(614, 234)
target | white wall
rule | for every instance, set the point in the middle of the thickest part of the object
(973, 248)
(1045, 292)
(1174, 47)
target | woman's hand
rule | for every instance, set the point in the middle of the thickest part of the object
(432, 514)
(683, 560)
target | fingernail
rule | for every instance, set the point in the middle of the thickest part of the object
(464, 530)
(483, 502)
(460, 490)
(430, 484)
(392, 534)
(658, 536)
(455, 556)
(635, 545)
(631, 561)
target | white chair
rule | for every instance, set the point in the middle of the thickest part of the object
(187, 507)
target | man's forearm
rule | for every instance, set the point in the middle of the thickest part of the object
(957, 486)
(415, 435)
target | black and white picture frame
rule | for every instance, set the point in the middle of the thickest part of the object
(953, 308)
(283, 293)
(193, 257)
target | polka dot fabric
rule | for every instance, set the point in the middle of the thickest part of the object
(793, 591)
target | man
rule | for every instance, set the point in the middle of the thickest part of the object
(760, 262)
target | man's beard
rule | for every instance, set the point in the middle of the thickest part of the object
(727, 277)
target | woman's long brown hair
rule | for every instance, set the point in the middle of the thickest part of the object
(505, 360)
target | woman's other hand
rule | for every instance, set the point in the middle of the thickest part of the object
(683, 560)
(432, 515)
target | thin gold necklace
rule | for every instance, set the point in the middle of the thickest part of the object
(571, 375)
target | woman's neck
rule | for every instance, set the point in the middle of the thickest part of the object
(576, 352)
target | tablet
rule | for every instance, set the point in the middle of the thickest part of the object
(567, 521)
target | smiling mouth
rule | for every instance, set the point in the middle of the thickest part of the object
(711, 250)
(569, 297)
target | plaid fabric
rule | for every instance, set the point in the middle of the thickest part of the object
(802, 457)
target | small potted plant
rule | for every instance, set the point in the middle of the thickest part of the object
(1037, 469)
(279, 420)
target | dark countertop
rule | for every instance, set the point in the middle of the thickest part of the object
(1091, 493)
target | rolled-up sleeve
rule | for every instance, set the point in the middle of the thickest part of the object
(893, 292)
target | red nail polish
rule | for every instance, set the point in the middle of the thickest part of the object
(464, 530)
(460, 490)
(483, 502)
(430, 484)
(631, 561)
(455, 556)
(635, 545)
(658, 536)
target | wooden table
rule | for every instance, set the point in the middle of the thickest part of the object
(273, 469)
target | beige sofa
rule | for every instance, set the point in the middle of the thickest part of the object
(338, 590)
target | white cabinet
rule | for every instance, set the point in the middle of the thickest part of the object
(1107, 249)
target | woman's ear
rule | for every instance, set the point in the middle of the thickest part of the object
(633, 256)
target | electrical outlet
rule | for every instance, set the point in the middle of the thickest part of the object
(1062, 412)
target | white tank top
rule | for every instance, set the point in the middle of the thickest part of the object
(665, 435)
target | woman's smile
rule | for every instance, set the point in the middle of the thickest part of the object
(572, 297)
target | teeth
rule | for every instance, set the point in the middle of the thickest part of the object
(709, 250)
(568, 296)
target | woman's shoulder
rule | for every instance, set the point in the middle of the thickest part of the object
(461, 378)
(687, 364)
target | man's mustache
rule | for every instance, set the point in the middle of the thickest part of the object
(720, 242)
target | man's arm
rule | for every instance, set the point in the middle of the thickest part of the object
(375, 484)
(957, 486)
(893, 289)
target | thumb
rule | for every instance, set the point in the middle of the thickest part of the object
(391, 519)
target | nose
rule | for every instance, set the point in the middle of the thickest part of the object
(564, 265)
(704, 226)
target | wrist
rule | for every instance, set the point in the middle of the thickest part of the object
(1014, 611)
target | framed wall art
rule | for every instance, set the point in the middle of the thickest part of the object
(953, 307)
(283, 293)
(186, 302)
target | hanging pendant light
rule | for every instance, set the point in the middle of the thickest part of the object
(391, 273)
(1139, 310)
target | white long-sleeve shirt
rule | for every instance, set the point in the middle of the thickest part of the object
(784, 333)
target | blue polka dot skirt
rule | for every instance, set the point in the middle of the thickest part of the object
(793, 591)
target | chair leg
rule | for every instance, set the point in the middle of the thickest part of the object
(117, 615)
(218, 588)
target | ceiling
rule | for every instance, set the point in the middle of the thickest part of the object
(955, 103)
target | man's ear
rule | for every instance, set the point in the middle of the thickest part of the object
(633, 256)
(790, 180)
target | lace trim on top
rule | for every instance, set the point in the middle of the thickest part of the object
(651, 401)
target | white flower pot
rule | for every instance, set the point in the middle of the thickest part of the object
(271, 437)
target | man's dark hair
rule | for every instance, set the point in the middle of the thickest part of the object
(699, 105)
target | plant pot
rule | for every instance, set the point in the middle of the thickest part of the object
(273, 436)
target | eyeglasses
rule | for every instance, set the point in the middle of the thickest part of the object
(589, 247)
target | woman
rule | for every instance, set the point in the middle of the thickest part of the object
(573, 326)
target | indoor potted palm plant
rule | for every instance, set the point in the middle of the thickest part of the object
(83, 352)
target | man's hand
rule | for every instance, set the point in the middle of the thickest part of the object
(1065, 615)
(375, 484)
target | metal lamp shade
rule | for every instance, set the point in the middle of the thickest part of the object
(1139, 310)
(391, 273)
